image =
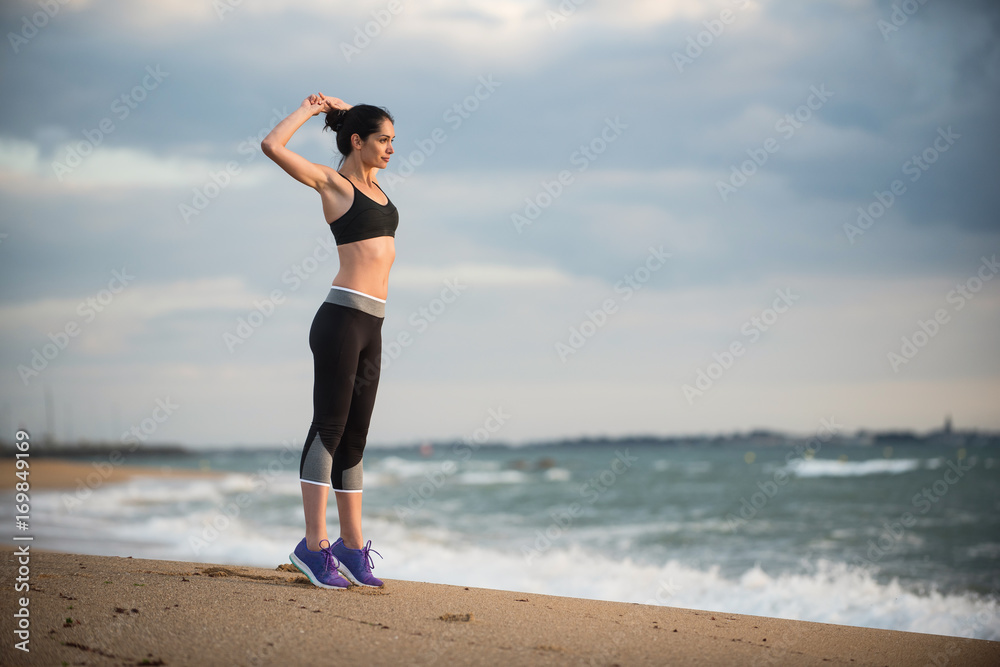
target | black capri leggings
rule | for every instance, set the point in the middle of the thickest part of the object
(346, 342)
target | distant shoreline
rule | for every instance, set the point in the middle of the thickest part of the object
(758, 438)
(51, 473)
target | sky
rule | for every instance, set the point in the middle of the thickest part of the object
(616, 218)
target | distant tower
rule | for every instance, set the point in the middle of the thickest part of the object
(947, 425)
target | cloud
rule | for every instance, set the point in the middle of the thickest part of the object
(124, 307)
(231, 78)
(479, 274)
(79, 164)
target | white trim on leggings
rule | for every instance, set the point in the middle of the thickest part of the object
(348, 289)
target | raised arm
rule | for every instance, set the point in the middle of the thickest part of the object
(273, 145)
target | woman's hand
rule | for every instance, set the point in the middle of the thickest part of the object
(320, 103)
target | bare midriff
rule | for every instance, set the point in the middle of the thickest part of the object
(364, 266)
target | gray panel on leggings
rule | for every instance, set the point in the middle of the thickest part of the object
(318, 464)
(351, 300)
(352, 477)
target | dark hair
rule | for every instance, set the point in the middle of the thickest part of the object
(361, 119)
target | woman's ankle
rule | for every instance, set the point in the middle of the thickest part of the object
(314, 546)
(353, 545)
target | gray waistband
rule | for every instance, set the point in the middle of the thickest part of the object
(356, 300)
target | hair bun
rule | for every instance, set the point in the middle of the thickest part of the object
(335, 119)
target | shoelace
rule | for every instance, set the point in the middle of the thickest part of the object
(368, 559)
(332, 564)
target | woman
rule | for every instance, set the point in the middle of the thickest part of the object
(346, 334)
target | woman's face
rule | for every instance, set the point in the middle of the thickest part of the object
(377, 148)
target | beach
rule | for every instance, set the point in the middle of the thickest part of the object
(69, 475)
(100, 610)
(125, 610)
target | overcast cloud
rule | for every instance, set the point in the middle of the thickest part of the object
(575, 149)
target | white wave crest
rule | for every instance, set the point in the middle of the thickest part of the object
(836, 468)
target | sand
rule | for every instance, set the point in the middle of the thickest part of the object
(99, 610)
(46, 473)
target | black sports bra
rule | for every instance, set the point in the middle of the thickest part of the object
(366, 219)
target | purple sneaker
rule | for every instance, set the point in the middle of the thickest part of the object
(356, 564)
(319, 566)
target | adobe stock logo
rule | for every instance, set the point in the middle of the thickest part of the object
(38, 21)
(381, 18)
(714, 28)
(581, 159)
(596, 319)
(786, 126)
(87, 309)
(926, 330)
(752, 329)
(915, 168)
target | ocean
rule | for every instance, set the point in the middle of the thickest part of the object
(903, 538)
